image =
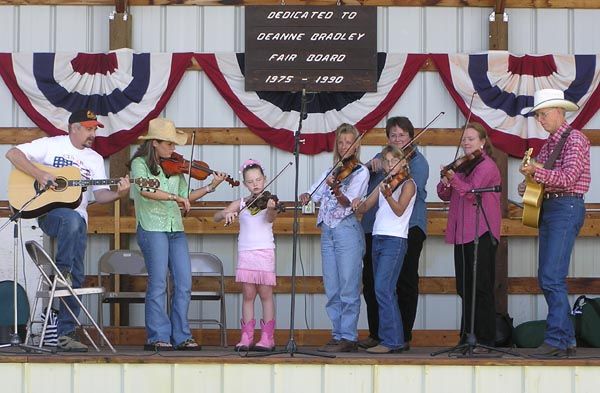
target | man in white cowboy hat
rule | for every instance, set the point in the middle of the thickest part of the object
(563, 167)
(68, 226)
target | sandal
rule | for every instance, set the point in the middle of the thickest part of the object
(158, 346)
(188, 345)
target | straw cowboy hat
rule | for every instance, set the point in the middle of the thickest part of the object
(550, 98)
(164, 130)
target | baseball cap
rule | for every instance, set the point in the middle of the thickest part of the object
(86, 118)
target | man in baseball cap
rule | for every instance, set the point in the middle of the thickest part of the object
(68, 224)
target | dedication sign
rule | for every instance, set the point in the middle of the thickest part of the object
(290, 48)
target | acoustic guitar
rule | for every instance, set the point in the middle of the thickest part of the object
(67, 193)
(532, 198)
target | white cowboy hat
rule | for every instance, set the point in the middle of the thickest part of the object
(550, 98)
(164, 130)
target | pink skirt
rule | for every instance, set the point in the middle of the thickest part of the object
(256, 267)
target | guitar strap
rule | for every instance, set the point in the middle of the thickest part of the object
(556, 152)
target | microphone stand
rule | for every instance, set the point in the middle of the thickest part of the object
(471, 343)
(15, 340)
(291, 348)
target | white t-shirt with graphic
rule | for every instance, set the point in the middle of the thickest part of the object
(58, 152)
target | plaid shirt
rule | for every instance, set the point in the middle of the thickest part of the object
(571, 171)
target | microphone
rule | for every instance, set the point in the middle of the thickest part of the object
(497, 188)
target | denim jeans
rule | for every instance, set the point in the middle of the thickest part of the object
(342, 250)
(388, 257)
(407, 288)
(560, 223)
(166, 252)
(70, 231)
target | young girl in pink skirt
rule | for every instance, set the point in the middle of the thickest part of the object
(256, 257)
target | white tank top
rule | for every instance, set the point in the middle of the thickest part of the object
(387, 222)
(256, 233)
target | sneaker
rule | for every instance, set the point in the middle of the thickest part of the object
(343, 345)
(382, 349)
(368, 342)
(330, 343)
(68, 343)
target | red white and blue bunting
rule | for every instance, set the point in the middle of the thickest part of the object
(502, 84)
(128, 89)
(274, 116)
(125, 89)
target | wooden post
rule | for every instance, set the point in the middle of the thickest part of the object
(501, 285)
(120, 23)
(498, 40)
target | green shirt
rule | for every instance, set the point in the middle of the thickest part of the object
(153, 215)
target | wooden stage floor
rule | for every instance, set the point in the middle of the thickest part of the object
(416, 356)
(219, 370)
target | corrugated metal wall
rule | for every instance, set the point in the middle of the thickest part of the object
(197, 104)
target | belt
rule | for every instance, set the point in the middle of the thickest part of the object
(552, 195)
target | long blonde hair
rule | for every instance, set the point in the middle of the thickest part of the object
(345, 128)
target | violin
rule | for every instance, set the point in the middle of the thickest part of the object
(260, 203)
(346, 167)
(464, 164)
(177, 165)
(391, 183)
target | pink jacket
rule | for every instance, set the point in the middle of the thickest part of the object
(460, 228)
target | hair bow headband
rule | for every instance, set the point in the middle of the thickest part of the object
(249, 162)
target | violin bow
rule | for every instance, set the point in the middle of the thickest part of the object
(344, 156)
(427, 126)
(264, 189)
(190, 167)
(466, 123)
(363, 199)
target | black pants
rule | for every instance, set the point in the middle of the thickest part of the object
(485, 306)
(407, 287)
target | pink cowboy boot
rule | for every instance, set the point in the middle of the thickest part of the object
(267, 341)
(247, 336)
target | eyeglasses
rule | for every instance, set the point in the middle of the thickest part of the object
(543, 115)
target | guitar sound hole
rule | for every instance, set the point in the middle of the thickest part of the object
(61, 184)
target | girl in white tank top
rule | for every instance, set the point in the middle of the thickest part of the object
(396, 197)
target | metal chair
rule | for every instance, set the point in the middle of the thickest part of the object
(47, 289)
(115, 263)
(205, 264)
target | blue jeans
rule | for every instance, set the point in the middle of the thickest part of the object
(342, 250)
(388, 257)
(166, 252)
(560, 223)
(70, 231)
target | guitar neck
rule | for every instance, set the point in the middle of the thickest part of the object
(95, 182)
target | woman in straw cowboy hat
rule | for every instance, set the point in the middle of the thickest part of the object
(161, 237)
(563, 167)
